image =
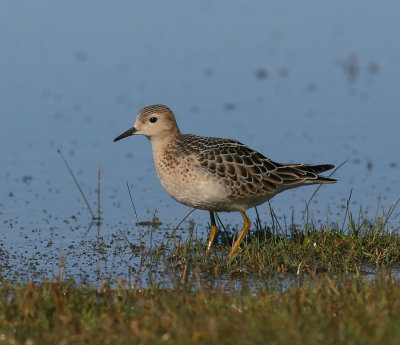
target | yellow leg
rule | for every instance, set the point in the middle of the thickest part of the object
(213, 232)
(245, 229)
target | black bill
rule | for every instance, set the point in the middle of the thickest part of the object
(128, 133)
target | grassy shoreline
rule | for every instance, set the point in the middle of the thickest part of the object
(322, 311)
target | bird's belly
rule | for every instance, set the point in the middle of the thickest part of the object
(194, 188)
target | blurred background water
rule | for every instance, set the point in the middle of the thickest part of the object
(300, 82)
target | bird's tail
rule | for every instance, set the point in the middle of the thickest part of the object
(317, 169)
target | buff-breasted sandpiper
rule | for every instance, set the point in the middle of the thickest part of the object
(215, 174)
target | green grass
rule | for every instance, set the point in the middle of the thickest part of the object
(308, 250)
(324, 311)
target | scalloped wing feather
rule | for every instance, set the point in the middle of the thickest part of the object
(247, 172)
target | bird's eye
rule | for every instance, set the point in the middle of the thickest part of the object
(153, 119)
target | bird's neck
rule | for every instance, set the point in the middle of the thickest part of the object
(161, 144)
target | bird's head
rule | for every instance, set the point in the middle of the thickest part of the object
(154, 121)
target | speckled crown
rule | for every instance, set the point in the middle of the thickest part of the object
(151, 109)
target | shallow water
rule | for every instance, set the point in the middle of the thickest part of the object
(299, 82)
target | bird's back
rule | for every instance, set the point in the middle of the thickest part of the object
(246, 171)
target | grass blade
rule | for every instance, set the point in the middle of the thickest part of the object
(77, 184)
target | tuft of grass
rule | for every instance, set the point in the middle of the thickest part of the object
(324, 311)
(330, 248)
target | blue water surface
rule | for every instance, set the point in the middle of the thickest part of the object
(299, 81)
